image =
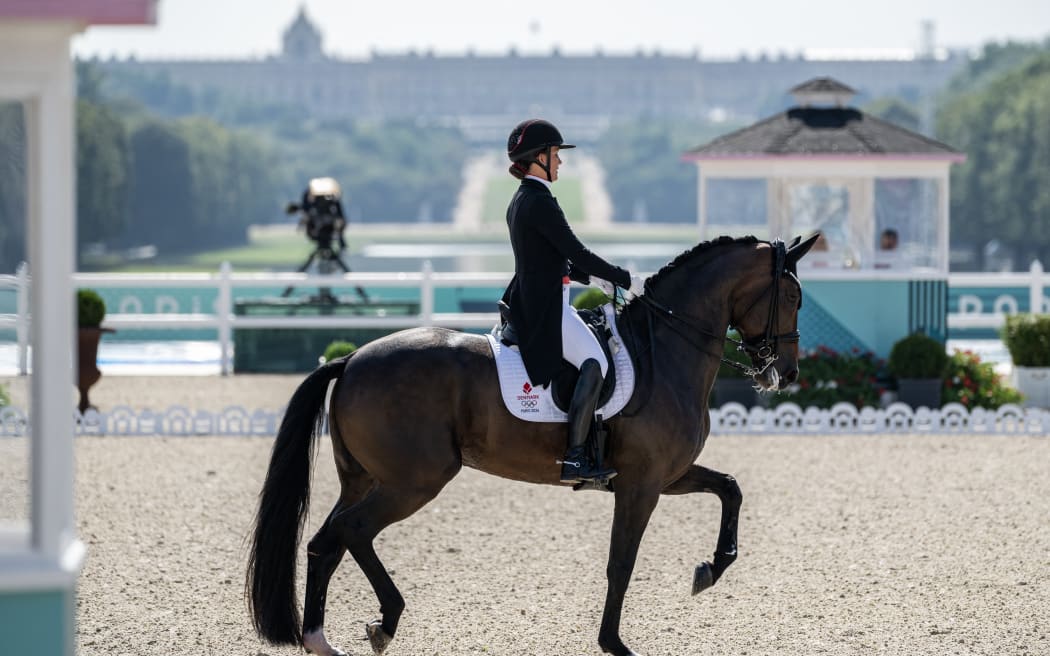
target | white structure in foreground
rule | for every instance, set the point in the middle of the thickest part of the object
(40, 559)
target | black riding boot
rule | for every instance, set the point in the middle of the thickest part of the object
(577, 464)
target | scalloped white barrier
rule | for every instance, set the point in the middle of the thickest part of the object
(729, 419)
(176, 421)
(897, 418)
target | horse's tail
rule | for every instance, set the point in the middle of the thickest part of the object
(283, 503)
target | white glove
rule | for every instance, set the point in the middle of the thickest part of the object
(607, 287)
(637, 286)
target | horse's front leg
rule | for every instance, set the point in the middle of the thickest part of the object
(634, 506)
(702, 479)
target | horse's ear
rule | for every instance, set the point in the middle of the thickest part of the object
(795, 242)
(799, 248)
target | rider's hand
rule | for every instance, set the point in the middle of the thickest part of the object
(607, 287)
(637, 285)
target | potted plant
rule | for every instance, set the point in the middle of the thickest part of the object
(91, 309)
(731, 385)
(1027, 338)
(918, 362)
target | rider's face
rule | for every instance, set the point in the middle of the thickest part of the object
(555, 162)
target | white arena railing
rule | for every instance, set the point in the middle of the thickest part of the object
(225, 321)
(730, 419)
(970, 314)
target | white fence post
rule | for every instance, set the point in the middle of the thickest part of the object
(224, 312)
(1035, 290)
(22, 325)
(426, 295)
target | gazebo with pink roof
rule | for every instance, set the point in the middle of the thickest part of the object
(823, 165)
(877, 192)
(40, 555)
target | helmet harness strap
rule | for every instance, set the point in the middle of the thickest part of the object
(546, 167)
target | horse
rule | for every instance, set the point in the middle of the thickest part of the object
(397, 443)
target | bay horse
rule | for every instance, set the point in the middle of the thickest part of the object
(397, 443)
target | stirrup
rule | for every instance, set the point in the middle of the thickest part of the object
(604, 484)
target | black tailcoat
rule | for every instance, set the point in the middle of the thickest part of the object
(545, 250)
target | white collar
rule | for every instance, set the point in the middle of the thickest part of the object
(546, 183)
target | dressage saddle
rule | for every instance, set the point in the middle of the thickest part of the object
(564, 382)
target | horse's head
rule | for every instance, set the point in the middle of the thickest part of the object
(765, 313)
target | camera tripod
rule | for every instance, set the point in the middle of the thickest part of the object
(327, 261)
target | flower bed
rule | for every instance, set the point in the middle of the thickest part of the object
(975, 384)
(827, 377)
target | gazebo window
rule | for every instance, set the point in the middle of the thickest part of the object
(909, 208)
(823, 207)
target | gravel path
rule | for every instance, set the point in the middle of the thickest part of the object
(849, 545)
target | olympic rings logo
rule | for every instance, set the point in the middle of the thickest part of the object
(529, 404)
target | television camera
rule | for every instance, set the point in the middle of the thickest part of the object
(321, 216)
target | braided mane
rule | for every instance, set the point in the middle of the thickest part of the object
(699, 249)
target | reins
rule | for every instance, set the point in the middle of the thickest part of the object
(765, 349)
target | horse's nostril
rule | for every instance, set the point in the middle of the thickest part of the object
(791, 375)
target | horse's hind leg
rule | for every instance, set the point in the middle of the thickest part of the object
(702, 479)
(359, 525)
(324, 553)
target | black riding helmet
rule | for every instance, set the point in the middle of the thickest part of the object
(530, 138)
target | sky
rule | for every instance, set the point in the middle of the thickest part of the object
(205, 29)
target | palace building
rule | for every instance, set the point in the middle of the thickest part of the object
(583, 93)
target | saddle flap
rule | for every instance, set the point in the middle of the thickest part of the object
(530, 403)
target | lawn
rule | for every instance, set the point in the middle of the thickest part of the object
(268, 251)
(568, 191)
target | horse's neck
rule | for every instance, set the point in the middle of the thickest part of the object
(682, 353)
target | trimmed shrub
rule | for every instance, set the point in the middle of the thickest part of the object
(590, 298)
(91, 309)
(338, 349)
(1027, 338)
(917, 356)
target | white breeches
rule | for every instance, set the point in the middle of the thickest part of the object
(578, 343)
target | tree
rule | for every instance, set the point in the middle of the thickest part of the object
(648, 180)
(12, 187)
(102, 174)
(160, 193)
(1000, 192)
(196, 185)
(896, 111)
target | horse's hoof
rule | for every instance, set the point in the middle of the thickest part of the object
(703, 577)
(378, 637)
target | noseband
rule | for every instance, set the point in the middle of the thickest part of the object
(763, 349)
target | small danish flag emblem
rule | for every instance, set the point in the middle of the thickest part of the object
(526, 388)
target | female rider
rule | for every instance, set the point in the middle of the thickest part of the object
(547, 255)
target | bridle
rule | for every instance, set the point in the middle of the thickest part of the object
(764, 349)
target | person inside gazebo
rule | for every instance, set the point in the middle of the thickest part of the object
(888, 256)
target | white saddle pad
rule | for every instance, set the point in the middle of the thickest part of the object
(525, 401)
